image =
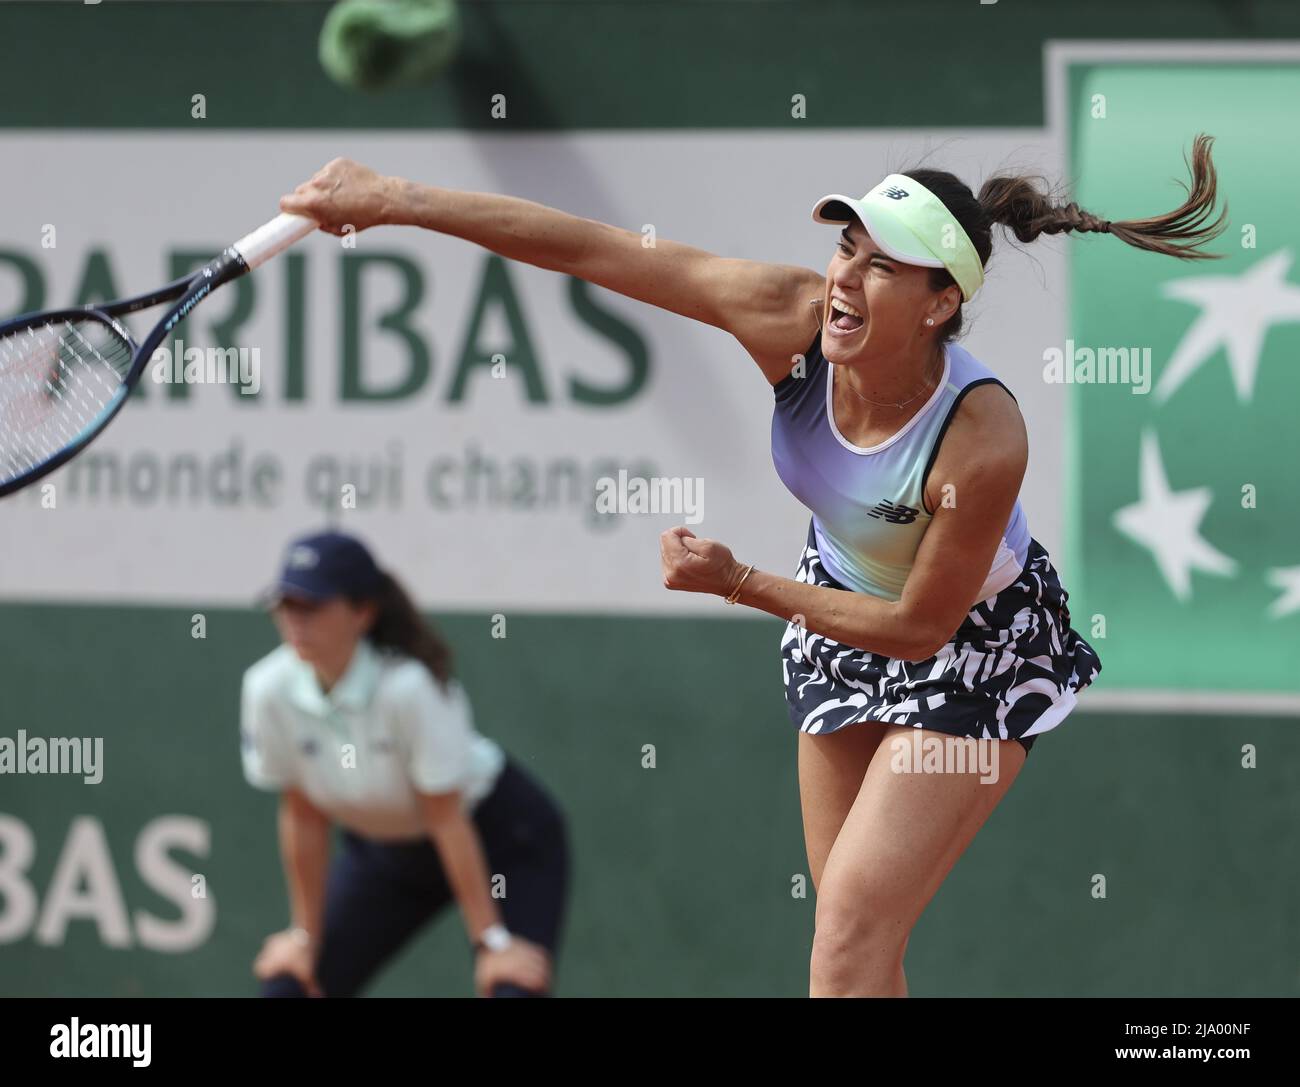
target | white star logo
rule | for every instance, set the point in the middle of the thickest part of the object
(1168, 523)
(1286, 578)
(1236, 312)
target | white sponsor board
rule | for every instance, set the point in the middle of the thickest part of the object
(486, 499)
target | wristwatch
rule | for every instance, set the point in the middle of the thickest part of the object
(494, 938)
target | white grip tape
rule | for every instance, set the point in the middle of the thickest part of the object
(272, 238)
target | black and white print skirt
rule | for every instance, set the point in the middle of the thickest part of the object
(1011, 671)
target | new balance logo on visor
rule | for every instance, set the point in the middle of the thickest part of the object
(895, 515)
(894, 192)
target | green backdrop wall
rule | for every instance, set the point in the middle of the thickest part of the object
(682, 877)
(682, 873)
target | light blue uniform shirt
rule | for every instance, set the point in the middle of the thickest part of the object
(385, 732)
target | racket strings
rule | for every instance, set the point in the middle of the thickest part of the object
(56, 380)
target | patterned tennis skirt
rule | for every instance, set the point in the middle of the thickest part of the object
(1011, 671)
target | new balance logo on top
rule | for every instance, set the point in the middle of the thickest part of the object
(895, 515)
(894, 192)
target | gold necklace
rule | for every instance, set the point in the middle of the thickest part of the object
(902, 403)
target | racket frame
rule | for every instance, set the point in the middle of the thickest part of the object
(187, 292)
(252, 250)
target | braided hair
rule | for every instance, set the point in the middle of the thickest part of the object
(1027, 211)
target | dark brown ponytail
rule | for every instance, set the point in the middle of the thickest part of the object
(400, 626)
(1028, 212)
(1021, 208)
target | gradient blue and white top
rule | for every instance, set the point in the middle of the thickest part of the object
(868, 505)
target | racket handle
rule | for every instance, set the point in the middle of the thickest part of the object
(272, 238)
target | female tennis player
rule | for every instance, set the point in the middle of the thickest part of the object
(356, 720)
(922, 608)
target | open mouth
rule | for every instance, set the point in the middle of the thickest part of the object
(844, 317)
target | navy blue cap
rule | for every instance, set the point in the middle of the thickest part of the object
(325, 565)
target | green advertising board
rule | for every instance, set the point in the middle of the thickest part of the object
(1185, 505)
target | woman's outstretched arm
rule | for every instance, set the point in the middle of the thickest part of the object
(765, 306)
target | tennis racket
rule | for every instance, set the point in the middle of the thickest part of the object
(65, 373)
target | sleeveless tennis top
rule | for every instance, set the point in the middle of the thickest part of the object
(867, 503)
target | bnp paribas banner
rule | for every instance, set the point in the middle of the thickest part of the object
(505, 436)
(1186, 509)
(465, 413)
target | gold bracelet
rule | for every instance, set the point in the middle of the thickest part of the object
(731, 597)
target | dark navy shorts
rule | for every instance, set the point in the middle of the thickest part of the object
(1010, 672)
(380, 894)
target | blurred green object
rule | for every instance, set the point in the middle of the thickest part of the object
(376, 45)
